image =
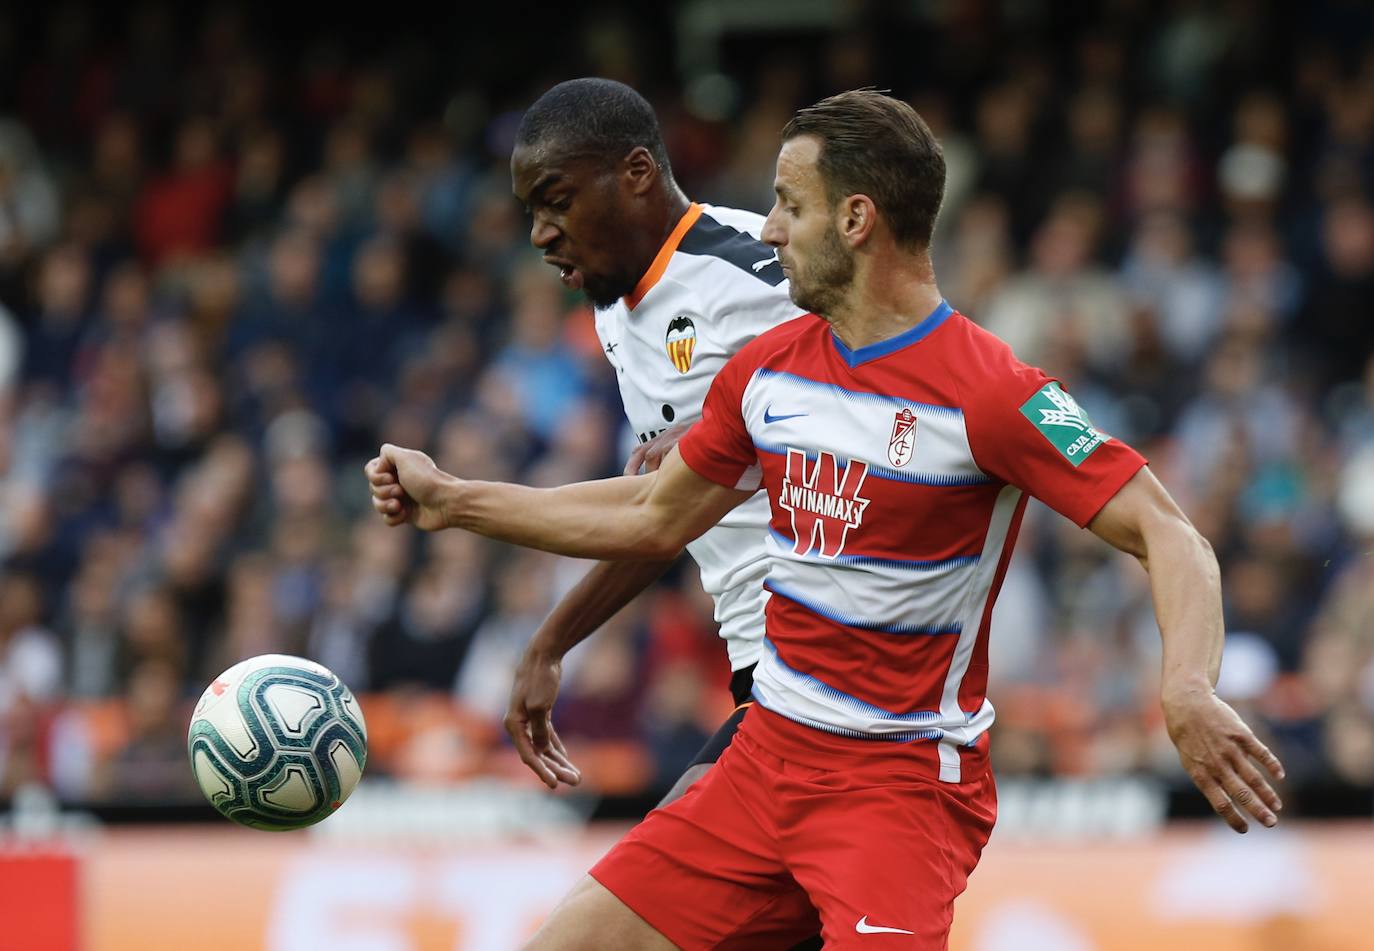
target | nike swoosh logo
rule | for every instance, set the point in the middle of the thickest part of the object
(863, 927)
(768, 417)
(760, 265)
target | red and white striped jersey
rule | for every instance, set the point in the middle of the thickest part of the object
(897, 475)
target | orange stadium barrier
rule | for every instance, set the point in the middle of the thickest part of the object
(1299, 889)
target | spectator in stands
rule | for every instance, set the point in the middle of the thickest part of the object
(217, 268)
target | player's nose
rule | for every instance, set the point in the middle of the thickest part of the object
(773, 232)
(543, 233)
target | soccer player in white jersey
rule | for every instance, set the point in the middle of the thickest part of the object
(898, 443)
(678, 288)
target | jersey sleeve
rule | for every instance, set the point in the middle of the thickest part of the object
(719, 446)
(1027, 430)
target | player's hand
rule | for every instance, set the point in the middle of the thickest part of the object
(1219, 751)
(529, 719)
(650, 455)
(408, 487)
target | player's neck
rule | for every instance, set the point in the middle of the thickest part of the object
(657, 226)
(675, 206)
(886, 298)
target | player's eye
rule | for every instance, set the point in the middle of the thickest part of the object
(561, 204)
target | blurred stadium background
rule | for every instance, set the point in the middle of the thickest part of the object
(240, 246)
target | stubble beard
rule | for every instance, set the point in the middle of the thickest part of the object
(822, 287)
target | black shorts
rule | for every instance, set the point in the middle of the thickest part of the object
(741, 688)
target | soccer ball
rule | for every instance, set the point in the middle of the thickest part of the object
(277, 742)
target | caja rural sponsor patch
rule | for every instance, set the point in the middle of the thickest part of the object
(1063, 422)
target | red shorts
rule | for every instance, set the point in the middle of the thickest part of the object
(778, 832)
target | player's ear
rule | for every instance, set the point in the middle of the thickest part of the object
(857, 218)
(640, 170)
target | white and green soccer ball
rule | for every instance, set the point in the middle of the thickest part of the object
(277, 742)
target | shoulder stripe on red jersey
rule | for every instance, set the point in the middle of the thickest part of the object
(830, 614)
(763, 373)
(891, 475)
(874, 561)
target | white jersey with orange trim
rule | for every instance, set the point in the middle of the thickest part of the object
(712, 288)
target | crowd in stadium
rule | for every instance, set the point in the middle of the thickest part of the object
(227, 276)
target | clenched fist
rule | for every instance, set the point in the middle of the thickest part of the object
(408, 487)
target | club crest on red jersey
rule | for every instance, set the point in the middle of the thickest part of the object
(903, 438)
(681, 342)
(824, 504)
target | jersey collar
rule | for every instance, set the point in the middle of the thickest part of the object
(891, 345)
(665, 253)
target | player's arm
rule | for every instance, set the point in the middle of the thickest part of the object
(648, 516)
(603, 591)
(645, 519)
(1215, 745)
(608, 587)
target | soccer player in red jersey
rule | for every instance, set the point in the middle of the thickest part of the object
(898, 443)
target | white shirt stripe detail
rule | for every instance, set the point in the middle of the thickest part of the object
(784, 410)
(874, 596)
(805, 699)
(979, 590)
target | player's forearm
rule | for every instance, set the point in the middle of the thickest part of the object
(603, 591)
(606, 519)
(1185, 583)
